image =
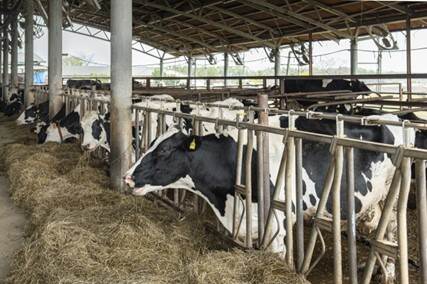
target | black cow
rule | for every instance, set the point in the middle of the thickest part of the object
(84, 84)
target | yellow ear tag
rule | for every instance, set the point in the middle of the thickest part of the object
(193, 144)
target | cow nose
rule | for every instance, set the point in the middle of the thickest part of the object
(86, 147)
(129, 180)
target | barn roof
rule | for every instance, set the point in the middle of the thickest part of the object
(195, 27)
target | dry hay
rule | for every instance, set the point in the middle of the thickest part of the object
(82, 232)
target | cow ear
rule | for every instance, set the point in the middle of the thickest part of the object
(191, 143)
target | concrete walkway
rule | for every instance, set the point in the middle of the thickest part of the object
(12, 220)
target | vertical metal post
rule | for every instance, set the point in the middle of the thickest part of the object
(353, 56)
(1, 54)
(260, 184)
(420, 177)
(299, 203)
(248, 181)
(14, 54)
(225, 68)
(161, 66)
(121, 90)
(55, 57)
(310, 54)
(408, 58)
(29, 52)
(263, 119)
(238, 181)
(189, 67)
(351, 215)
(137, 134)
(402, 221)
(289, 188)
(5, 55)
(277, 64)
(336, 205)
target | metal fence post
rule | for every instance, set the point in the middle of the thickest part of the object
(299, 204)
(248, 181)
(402, 221)
(137, 140)
(260, 184)
(422, 217)
(351, 215)
(239, 163)
(289, 189)
(336, 205)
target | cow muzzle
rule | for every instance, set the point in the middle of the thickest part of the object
(129, 180)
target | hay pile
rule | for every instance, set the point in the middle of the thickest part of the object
(81, 232)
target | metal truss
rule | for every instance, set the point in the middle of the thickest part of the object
(91, 32)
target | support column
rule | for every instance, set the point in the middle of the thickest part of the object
(29, 52)
(190, 63)
(161, 66)
(408, 58)
(310, 54)
(1, 55)
(225, 68)
(14, 54)
(277, 64)
(353, 56)
(121, 90)
(55, 57)
(5, 62)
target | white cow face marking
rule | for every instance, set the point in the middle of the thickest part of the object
(94, 134)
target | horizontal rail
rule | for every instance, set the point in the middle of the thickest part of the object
(308, 114)
(321, 138)
(361, 76)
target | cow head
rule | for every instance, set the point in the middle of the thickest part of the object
(67, 128)
(28, 116)
(359, 86)
(41, 131)
(95, 129)
(165, 164)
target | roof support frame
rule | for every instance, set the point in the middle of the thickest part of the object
(208, 21)
(301, 17)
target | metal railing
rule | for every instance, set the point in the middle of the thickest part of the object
(290, 170)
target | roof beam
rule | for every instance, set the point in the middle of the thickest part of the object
(395, 6)
(285, 12)
(187, 38)
(210, 22)
(246, 19)
(330, 9)
(194, 9)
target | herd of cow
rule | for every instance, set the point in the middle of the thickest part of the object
(206, 164)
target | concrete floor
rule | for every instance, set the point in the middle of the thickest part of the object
(12, 220)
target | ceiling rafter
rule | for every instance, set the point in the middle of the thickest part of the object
(330, 9)
(246, 19)
(210, 22)
(306, 19)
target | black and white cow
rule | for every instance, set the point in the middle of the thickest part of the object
(14, 103)
(34, 113)
(206, 166)
(96, 127)
(319, 85)
(60, 130)
(84, 84)
(95, 131)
